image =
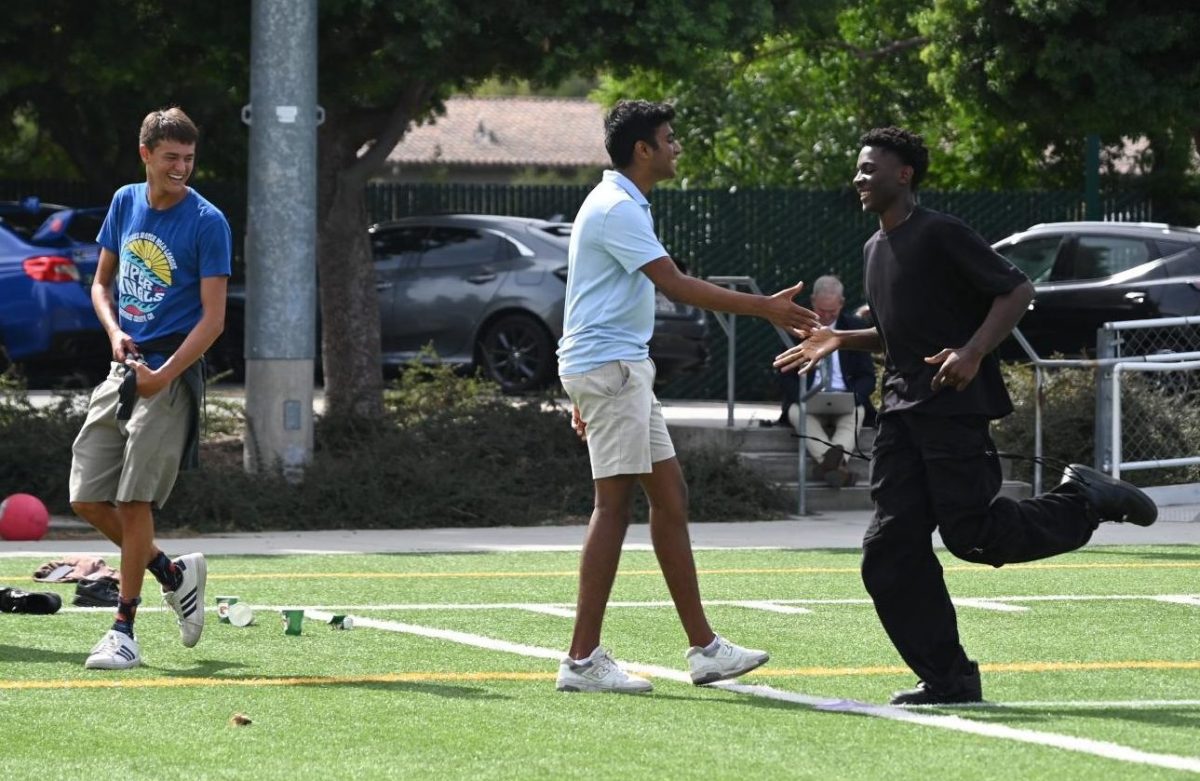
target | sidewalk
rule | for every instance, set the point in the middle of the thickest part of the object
(827, 530)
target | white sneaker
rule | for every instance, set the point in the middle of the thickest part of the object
(115, 651)
(599, 673)
(724, 662)
(188, 600)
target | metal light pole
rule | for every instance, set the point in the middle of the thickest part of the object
(281, 236)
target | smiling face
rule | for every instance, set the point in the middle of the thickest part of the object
(168, 167)
(881, 178)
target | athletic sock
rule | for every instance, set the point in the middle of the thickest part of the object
(712, 647)
(126, 612)
(165, 571)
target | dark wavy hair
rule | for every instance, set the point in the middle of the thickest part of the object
(909, 147)
(631, 121)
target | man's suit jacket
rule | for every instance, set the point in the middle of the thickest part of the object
(858, 372)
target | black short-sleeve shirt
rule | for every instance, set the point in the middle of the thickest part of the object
(930, 283)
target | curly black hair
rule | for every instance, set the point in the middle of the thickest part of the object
(908, 146)
(631, 121)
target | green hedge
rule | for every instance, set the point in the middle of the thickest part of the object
(451, 451)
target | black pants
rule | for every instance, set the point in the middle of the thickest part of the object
(932, 472)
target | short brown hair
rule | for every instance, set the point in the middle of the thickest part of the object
(167, 124)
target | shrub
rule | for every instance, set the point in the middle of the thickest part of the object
(451, 451)
(35, 443)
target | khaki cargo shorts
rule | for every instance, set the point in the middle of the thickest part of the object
(135, 460)
(626, 432)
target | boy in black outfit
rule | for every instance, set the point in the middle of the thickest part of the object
(942, 301)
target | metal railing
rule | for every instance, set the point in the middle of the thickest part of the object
(728, 323)
(1107, 400)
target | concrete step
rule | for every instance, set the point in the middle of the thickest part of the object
(784, 467)
(821, 498)
(750, 439)
(745, 439)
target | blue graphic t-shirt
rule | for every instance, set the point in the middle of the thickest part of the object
(163, 256)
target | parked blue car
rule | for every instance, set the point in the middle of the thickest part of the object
(48, 256)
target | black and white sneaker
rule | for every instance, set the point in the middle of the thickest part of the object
(115, 651)
(14, 600)
(188, 600)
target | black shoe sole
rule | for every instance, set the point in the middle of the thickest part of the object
(1139, 509)
(84, 601)
(969, 699)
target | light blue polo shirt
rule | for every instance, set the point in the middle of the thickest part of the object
(609, 310)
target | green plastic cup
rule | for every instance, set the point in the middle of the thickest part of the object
(292, 621)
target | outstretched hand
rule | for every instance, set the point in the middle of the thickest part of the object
(780, 310)
(806, 355)
(958, 368)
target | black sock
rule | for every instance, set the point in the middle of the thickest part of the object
(126, 612)
(165, 572)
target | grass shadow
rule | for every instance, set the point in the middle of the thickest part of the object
(1181, 717)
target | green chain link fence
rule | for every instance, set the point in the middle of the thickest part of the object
(775, 236)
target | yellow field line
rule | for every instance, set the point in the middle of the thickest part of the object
(333, 680)
(658, 573)
(486, 677)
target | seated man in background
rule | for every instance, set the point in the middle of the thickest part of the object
(851, 371)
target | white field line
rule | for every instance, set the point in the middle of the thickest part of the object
(989, 604)
(566, 610)
(773, 607)
(549, 610)
(892, 713)
(1098, 748)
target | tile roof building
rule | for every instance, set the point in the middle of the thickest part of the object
(504, 138)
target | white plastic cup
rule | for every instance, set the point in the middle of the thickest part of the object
(240, 614)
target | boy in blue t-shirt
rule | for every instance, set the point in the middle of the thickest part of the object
(165, 257)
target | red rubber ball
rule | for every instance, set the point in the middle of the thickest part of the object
(23, 517)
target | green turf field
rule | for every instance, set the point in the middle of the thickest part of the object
(1091, 664)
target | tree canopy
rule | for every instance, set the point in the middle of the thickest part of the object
(382, 66)
(1062, 69)
(1005, 92)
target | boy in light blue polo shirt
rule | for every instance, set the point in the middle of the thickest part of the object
(615, 262)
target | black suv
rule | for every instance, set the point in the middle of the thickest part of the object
(1090, 273)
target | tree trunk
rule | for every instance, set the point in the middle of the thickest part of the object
(350, 344)
(350, 352)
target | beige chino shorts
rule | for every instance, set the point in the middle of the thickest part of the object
(135, 460)
(626, 432)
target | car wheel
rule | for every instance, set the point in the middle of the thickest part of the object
(517, 352)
